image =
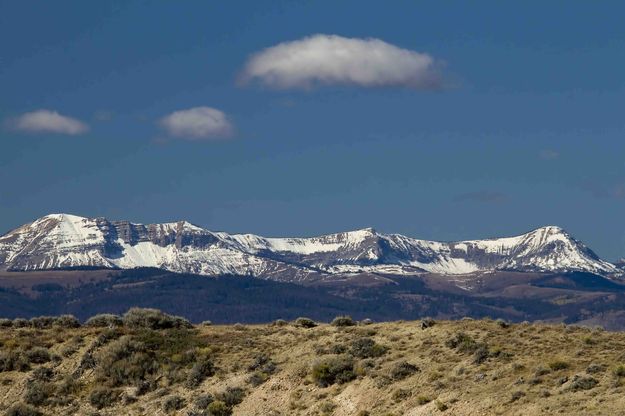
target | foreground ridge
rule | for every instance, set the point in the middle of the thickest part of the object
(66, 241)
(147, 362)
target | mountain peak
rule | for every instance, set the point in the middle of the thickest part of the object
(67, 240)
(62, 217)
(550, 229)
(368, 231)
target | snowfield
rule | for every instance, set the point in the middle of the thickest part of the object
(63, 240)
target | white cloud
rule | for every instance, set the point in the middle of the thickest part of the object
(197, 123)
(331, 59)
(548, 154)
(47, 121)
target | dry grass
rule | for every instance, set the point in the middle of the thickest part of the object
(452, 368)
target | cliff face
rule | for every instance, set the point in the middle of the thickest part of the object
(64, 241)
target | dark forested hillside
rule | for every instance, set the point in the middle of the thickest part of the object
(572, 298)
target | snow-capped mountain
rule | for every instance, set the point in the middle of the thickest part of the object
(62, 241)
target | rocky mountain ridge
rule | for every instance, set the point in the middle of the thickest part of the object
(67, 241)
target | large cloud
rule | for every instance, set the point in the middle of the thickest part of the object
(197, 123)
(331, 59)
(47, 121)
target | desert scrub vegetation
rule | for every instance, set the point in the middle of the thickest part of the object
(147, 362)
(173, 403)
(153, 319)
(201, 369)
(343, 320)
(305, 323)
(21, 409)
(262, 368)
(480, 351)
(402, 369)
(558, 364)
(105, 320)
(333, 369)
(367, 348)
(101, 397)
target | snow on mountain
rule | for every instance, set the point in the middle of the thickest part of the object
(62, 240)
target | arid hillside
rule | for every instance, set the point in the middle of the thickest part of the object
(149, 363)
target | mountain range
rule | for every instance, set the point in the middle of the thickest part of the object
(62, 241)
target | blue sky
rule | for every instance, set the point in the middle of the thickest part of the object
(523, 128)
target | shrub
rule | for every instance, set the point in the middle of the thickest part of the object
(173, 403)
(582, 383)
(20, 323)
(199, 372)
(516, 395)
(231, 396)
(502, 324)
(43, 374)
(13, 361)
(38, 355)
(441, 406)
(106, 336)
(366, 321)
(125, 362)
(594, 368)
(421, 400)
(333, 369)
(104, 320)
(401, 394)
(203, 400)
(279, 322)
(327, 408)
(37, 393)
(23, 410)
(263, 367)
(69, 350)
(557, 365)
(6, 323)
(42, 322)
(305, 323)
(403, 369)
(257, 378)
(619, 370)
(206, 323)
(153, 319)
(67, 321)
(338, 349)
(68, 386)
(481, 354)
(427, 323)
(218, 408)
(102, 397)
(343, 320)
(462, 342)
(262, 363)
(367, 348)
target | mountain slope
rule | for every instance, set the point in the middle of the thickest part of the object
(62, 240)
(469, 368)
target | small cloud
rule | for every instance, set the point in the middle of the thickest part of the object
(47, 121)
(332, 59)
(487, 197)
(103, 115)
(548, 154)
(614, 191)
(197, 123)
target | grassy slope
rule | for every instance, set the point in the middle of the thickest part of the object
(514, 378)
